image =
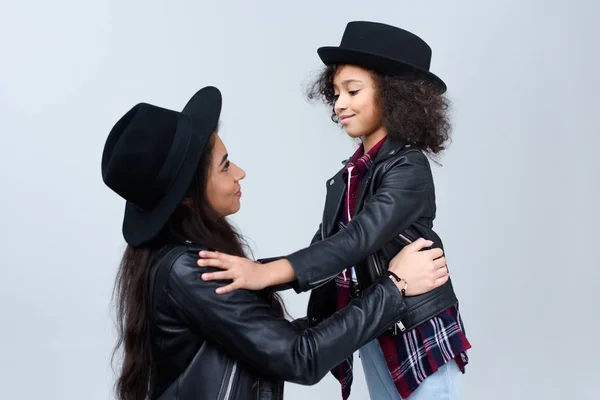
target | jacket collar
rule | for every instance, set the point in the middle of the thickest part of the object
(390, 147)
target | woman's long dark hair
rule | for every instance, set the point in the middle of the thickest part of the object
(200, 224)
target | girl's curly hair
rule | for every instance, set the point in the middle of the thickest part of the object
(413, 108)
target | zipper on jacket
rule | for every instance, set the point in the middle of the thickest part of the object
(399, 325)
(348, 193)
(407, 240)
(317, 284)
(349, 212)
(229, 392)
(228, 380)
(376, 265)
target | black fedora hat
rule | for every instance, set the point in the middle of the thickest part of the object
(151, 156)
(383, 48)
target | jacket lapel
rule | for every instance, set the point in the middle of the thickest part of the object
(336, 186)
(333, 202)
(390, 147)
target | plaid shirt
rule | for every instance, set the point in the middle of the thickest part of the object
(414, 355)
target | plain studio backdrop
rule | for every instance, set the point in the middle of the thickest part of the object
(517, 193)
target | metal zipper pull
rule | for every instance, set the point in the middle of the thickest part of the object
(399, 325)
(344, 273)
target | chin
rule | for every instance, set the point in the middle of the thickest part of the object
(227, 213)
(235, 209)
(354, 133)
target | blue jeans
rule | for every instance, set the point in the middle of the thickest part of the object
(442, 385)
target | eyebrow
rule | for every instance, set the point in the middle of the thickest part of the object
(347, 81)
(351, 80)
(223, 159)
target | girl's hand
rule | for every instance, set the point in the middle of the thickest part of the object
(244, 273)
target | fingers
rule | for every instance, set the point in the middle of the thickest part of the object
(439, 262)
(443, 278)
(211, 254)
(212, 262)
(434, 253)
(229, 288)
(220, 275)
(440, 281)
(418, 245)
(440, 272)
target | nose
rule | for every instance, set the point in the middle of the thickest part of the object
(239, 173)
(340, 104)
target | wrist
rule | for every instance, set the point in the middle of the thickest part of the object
(278, 272)
(268, 275)
(400, 283)
(265, 273)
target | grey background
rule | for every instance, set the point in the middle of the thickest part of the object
(517, 194)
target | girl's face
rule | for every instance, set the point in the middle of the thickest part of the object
(223, 188)
(355, 104)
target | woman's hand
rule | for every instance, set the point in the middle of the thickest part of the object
(244, 273)
(422, 271)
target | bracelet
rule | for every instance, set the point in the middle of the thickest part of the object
(392, 275)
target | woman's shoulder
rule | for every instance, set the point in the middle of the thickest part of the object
(179, 260)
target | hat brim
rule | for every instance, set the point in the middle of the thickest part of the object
(337, 55)
(200, 117)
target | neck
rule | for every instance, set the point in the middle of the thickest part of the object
(373, 138)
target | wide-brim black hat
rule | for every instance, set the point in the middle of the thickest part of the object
(382, 48)
(152, 155)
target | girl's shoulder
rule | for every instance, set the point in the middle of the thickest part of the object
(408, 156)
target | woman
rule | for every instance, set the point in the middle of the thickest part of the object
(183, 341)
(380, 89)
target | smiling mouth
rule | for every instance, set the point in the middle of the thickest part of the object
(345, 119)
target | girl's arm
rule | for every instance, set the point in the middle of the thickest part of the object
(399, 201)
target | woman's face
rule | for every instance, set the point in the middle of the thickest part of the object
(223, 188)
(355, 103)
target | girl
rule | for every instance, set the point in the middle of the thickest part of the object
(380, 89)
(181, 340)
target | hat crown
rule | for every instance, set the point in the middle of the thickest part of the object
(387, 41)
(151, 157)
(135, 162)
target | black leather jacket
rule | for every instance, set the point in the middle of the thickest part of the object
(235, 346)
(396, 201)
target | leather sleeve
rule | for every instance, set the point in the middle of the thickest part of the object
(244, 326)
(315, 239)
(293, 284)
(398, 202)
